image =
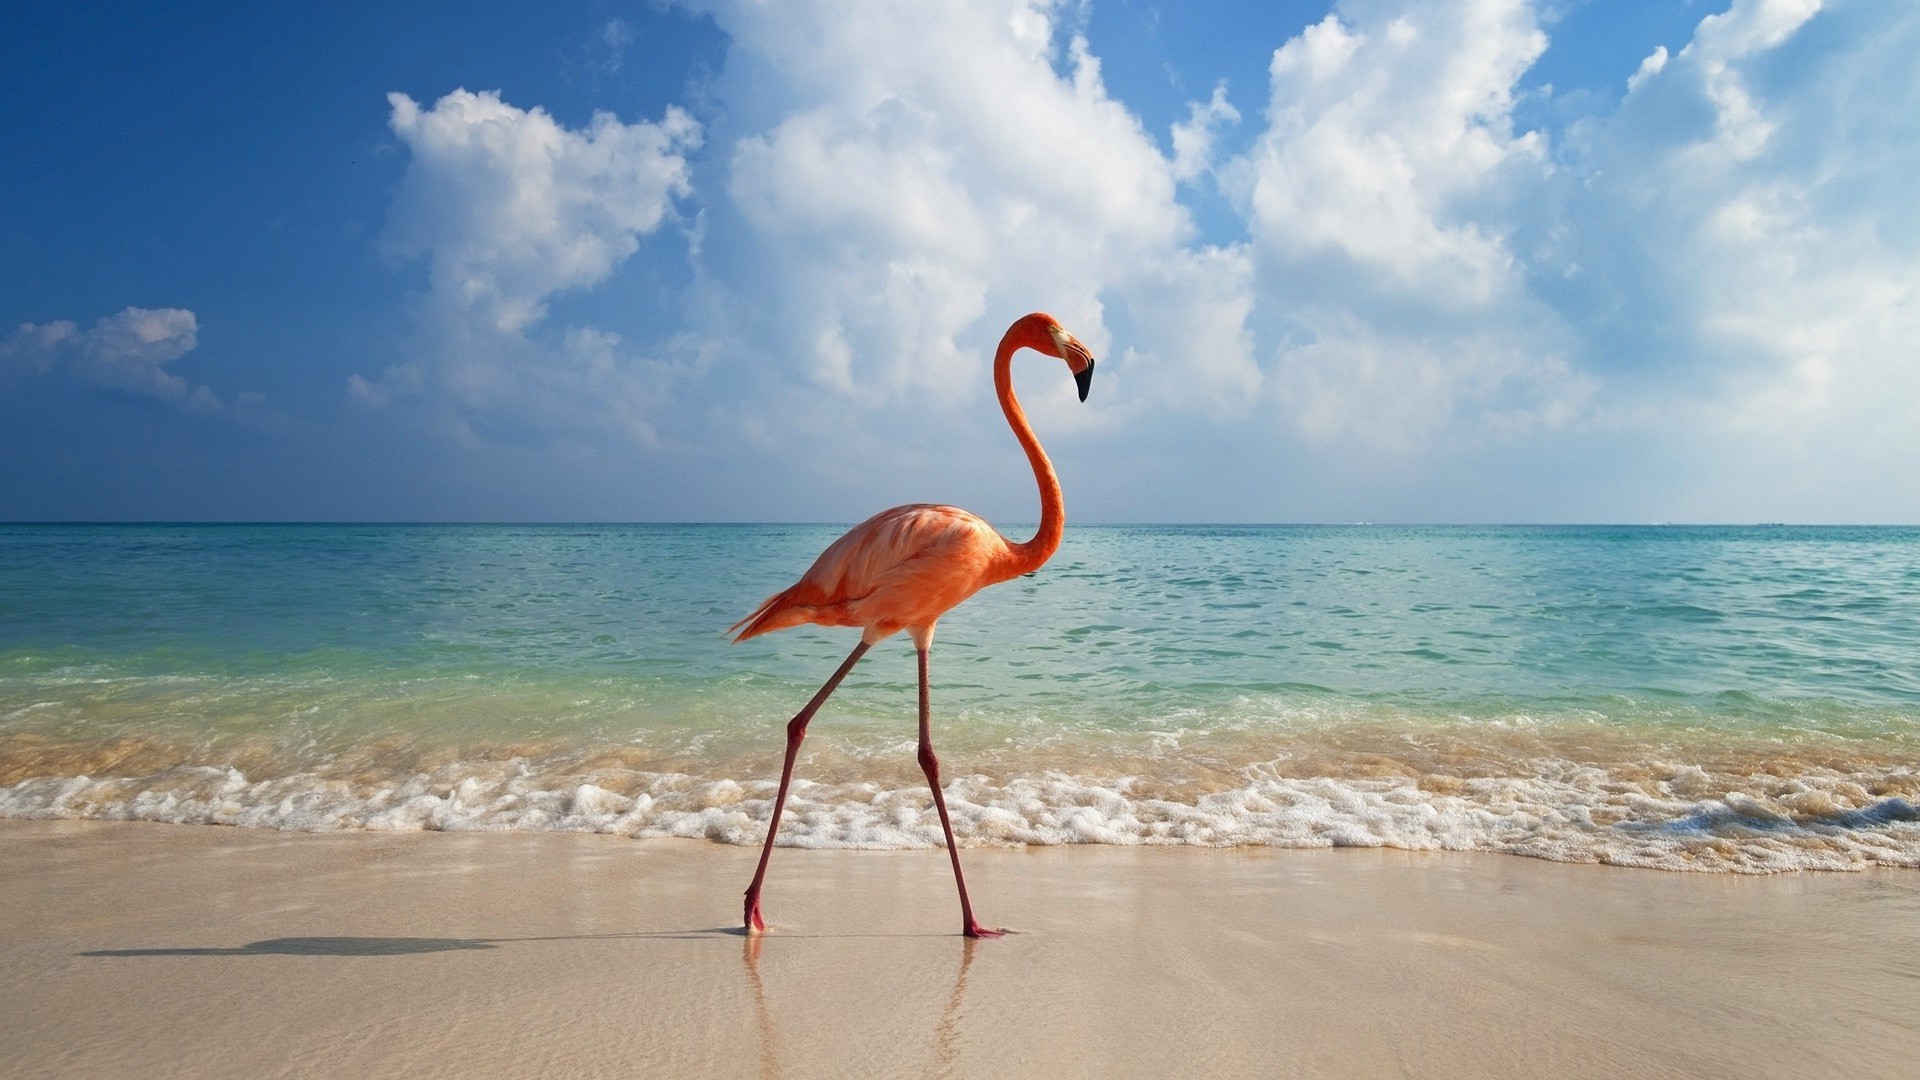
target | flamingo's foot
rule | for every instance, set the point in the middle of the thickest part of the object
(975, 930)
(751, 916)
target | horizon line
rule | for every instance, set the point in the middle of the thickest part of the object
(611, 523)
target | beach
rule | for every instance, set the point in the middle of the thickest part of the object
(134, 949)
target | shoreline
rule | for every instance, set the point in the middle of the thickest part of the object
(151, 949)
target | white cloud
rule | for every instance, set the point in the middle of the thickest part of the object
(1357, 384)
(609, 45)
(1772, 278)
(899, 188)
(128, 351)
(33, 347)
(1190, 349)
(509, 208)
(1656, 60)
(1387, 133)
(1382, 198)
(1193, 137)
(1730, 252)
(904, 205)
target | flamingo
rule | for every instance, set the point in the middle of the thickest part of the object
(903, 568)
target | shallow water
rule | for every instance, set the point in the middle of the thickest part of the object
(1741, 699)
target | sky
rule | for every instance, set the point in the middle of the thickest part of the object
(1379, 260)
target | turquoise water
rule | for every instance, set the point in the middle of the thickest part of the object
(1741, 699)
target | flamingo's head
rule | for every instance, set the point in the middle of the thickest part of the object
(1079, 358)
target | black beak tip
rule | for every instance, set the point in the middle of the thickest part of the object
(1084, 378)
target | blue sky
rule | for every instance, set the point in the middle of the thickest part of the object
(1488, 260)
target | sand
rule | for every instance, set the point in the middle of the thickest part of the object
(160, 950)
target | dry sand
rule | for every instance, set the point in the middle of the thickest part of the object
(157, 950)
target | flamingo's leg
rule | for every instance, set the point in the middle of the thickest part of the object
(931, 766)
(796, 730)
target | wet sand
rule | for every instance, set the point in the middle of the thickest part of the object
(157, 950)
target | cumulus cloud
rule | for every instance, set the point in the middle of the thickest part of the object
(900, 187)
(1727, 247)
(1382, 198)
(1388, 133)
(900, 201)
(1420, 271)
(1749, 259)
(509, 208)
(128, 352)
(1193, 137)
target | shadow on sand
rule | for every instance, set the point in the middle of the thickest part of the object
(391, 946)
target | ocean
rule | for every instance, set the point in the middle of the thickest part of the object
(1732, 699)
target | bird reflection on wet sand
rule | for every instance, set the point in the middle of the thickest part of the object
(946, 1031)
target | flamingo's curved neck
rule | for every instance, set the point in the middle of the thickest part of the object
(1029, 556)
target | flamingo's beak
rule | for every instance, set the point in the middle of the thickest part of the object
(1079, 359)
(1084, 378)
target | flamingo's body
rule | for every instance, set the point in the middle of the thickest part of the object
(903, 568)
(898, 569)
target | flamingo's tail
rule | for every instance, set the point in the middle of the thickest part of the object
(773, 614)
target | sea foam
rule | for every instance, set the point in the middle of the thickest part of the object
(1686, 820)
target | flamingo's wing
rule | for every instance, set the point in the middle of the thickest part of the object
(871, 554)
